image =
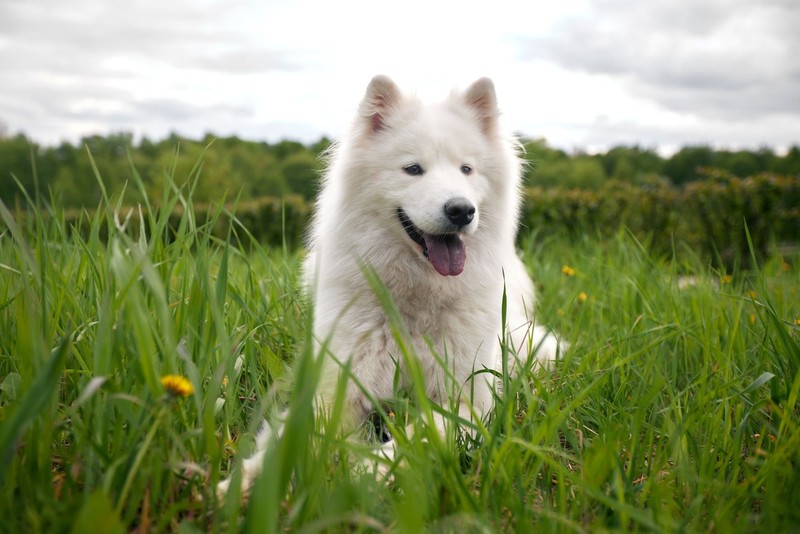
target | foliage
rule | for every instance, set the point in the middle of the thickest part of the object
(676, 408)
(129, 301)
(568, 194)
(706, 218)
(236, 168)
(549, 167)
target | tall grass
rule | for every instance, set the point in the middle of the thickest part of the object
(676, 408)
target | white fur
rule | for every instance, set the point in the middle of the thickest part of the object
(356, 224)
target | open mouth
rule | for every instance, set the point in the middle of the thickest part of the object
(446, 252)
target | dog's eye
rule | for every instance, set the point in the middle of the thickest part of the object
(466, 169)
(414, 170)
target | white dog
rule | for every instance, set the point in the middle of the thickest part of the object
(427, 198)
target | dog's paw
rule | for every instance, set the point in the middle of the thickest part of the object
(251, 468)
(551, 349)
(381, 464)
(536, 342)
(222, 489)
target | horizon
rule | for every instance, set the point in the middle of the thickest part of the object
(136, 141)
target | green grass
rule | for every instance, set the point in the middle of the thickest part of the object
(676, 409)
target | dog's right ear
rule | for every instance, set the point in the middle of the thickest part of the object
(480, 96)
(379, 102)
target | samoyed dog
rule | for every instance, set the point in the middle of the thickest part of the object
(426, 198)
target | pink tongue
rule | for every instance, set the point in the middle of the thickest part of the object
(446, 253)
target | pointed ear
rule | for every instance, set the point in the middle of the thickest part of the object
(480, 96)
(379, 102)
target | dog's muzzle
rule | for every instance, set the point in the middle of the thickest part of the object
(446, 252)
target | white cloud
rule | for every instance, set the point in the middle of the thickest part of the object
(736, 60)
(587, 73)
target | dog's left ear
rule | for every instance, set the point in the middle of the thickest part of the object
(480, 96)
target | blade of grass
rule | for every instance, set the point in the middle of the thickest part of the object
(33, 402)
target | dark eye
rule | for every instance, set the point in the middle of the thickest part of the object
(414, 170)
(466, 169)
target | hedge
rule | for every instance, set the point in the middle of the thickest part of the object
(270, 220)
(706, 217)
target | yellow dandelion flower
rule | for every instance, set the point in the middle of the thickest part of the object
(177, 385)
(752, 318)
(582, 297)
(752, 294)
(567, 270)
(726, 279)
(797, 322)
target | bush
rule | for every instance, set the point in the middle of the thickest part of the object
(272, 221)
(707, 217)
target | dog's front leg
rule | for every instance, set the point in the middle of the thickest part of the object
(355, 411)
(544, 345)
(252, 466)
(472, 406)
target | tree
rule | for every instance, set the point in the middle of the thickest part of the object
(15, 159)
(684, 165)
(789, 164)
(301, 171)
(742, 164)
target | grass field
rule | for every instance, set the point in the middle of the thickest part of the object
(675, 410)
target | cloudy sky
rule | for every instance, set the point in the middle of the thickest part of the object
(586, 74)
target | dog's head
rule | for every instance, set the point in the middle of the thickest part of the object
(436, 172)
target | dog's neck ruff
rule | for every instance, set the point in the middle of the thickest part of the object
(446, 253)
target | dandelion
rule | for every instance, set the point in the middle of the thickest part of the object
(797, 322)
(752, 294)
(582, 297)
(567, 270)
(726, 279)
(177, 385)
(752, 318)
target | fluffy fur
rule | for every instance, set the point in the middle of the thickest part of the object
(427, 196)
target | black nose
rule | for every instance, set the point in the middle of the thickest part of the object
(459, 211)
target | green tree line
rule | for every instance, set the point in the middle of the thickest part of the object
(234, 167)
(551, 167)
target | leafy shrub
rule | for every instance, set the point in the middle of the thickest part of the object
(272, 221)
(705, 217)
(708, 217)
